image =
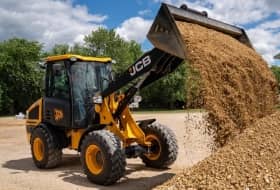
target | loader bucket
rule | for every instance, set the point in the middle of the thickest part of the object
(165, 35)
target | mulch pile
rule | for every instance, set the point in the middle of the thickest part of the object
(251, 161)
(239, 92)
(237, 85)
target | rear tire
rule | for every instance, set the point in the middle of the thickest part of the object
(164, 148)
(45, 148)
(102, 157)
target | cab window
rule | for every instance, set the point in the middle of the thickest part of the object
(57, 81)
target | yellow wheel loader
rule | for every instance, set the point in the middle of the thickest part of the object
(81, 109)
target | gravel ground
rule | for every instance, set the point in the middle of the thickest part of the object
(17, 170)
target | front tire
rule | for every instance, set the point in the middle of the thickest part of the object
(102, 157)
(45, 148)
(164, 149)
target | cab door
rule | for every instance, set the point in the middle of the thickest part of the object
(56, 103)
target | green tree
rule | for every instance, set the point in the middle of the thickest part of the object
(168, 92)
(19, 74)
(103, 42)
(182, 88)
(60, 49)
(193, 91)
(276, 71)
(78, 49)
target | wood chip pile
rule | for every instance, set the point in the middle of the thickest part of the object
(237, 85)
(239, 92)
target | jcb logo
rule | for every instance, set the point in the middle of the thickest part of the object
(58, 114)
(140, 65)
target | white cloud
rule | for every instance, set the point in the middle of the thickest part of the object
(236, 12)
(271, 25)
(144, 12)
(81, 13)
(265, 42)
(48, 21)
(134, 28)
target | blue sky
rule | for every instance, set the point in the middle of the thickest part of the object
(68, 21)
(119, 11)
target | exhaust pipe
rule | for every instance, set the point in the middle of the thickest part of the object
(165, 35)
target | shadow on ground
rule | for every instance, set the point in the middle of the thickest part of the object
(71, 171)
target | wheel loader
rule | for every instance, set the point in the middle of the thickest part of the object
(83, 110)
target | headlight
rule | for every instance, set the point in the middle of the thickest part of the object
(97, 99)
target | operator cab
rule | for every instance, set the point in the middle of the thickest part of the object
(71, 83)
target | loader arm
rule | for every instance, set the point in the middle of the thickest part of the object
(152, 66)
(156, 61)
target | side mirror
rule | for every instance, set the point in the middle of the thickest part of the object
(42, 64)
(135, 102)
(137, 99)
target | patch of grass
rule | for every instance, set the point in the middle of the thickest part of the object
(6, 116)
(277, 107)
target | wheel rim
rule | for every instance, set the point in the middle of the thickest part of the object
(38, 149)
(155, 147)
(94, 159)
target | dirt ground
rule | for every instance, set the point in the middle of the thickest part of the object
(17, 170)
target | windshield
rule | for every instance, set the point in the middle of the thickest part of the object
(88, 78)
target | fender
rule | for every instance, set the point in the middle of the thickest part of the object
(88, 130)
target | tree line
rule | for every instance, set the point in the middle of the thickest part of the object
(21, 78)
